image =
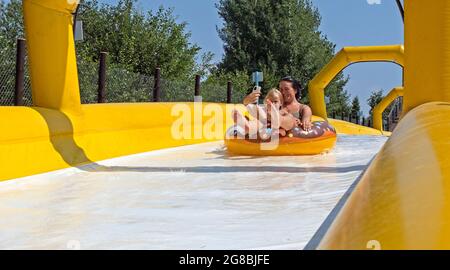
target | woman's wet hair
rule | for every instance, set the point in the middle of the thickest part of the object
(295, 84)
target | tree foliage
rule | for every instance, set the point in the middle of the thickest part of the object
(374, 99)
(356, 107)
(136, 44)
(278, 37)
(11, 28)
(216, 85)
(11, 23)
(139, 41)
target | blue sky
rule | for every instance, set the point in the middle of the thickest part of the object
(344, 22)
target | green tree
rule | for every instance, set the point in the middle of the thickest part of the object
(375, 98)
(280, 37)
(356, 108)
(11, 28)
(136, 43)
(214, 88)
(339, 98)
(11, 23)
(140, 42)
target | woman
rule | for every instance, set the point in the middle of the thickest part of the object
(291, 90)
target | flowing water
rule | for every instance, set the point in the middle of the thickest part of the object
(192, 197)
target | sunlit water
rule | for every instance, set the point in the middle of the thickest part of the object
(193, 197)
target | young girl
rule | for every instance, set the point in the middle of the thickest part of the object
(268, 120)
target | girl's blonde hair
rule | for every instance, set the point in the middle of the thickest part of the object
(274, 93)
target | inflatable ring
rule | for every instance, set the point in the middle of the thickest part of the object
(322, 138)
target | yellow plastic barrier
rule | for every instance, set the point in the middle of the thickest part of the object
(381, 107)
(403, 199)
(346, 57)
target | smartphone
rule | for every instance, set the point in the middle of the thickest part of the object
(257, 89)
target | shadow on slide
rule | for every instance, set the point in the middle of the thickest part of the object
(61, 136)
(61, 132)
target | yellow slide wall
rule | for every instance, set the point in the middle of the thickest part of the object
(347, 128)
(403, 199)
(36, 140)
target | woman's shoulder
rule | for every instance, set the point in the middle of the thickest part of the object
(303, 106)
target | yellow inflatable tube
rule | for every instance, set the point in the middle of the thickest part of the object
(322, 138)
(286, 147)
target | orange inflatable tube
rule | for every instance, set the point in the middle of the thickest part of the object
(321, 139)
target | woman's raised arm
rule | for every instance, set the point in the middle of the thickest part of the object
(252, 98)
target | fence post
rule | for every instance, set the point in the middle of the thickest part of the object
(397, 110)
(229, 91)
(102, 78)
(197, 86)
(20, 72)
(157, 86)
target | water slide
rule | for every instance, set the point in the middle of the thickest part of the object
(190, 197)
(105, 177)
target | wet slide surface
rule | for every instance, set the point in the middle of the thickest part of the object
(192, 197)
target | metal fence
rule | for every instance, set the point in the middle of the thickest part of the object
(8, 59)
(393, 117)
(110, 83)
(355, 118)
(120, 85)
